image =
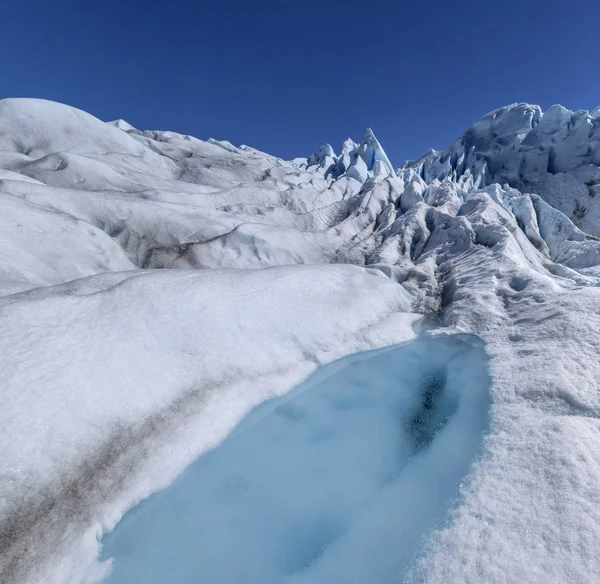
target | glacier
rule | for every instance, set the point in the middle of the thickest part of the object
(161, 297)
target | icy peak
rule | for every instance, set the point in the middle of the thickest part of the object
(349, 146)
(371, 151)
(358, 161)
(122, 125)
(323, 157)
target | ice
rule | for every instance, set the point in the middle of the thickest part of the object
(357, 161)
(35, 128)
(323, 157)
(554, 154)
(156, 373)
(156, 287)
(41, 248)
(371, 152)
(338, 481)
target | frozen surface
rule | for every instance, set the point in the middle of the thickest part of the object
(555, 154)
(156, 373)
(155, 288)
(338, 481)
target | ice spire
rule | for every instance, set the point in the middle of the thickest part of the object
(370, 151)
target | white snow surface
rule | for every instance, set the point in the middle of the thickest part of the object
(155, 288)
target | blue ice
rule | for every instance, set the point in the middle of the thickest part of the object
(339, 481)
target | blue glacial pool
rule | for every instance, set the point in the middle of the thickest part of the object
(338, 481)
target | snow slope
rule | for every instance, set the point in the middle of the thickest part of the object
(156, 287)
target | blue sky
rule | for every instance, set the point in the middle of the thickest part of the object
(286, 77)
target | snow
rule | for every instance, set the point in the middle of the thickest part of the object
(41, 248)
(155, 288)
(36, 128)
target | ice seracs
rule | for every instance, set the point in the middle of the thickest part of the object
(357, 161)
(323, 157)
(554, 154)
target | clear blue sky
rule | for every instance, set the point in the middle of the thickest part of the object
(286, 77)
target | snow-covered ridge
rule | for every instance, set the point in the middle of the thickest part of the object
(153, 291)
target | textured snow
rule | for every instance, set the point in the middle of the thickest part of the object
(155, 288)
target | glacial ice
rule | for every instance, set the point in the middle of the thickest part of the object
(337, 481)
(123, 362)
(555, 154)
